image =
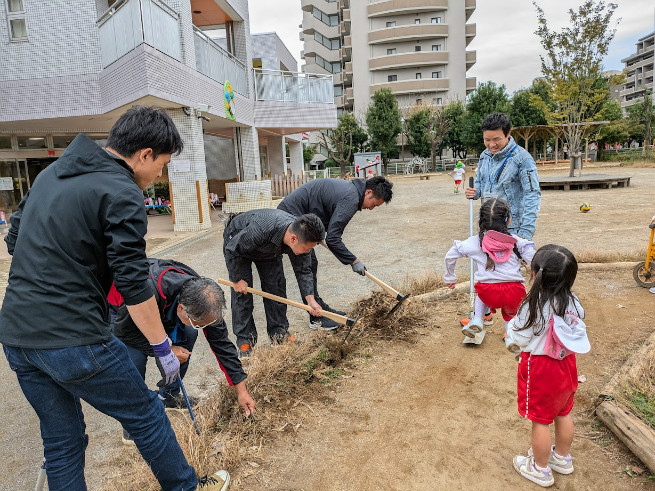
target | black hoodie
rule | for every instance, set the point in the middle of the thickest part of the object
(81, 226)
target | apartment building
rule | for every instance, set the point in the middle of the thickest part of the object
(416, 48)
(74, 67)
(639, 72)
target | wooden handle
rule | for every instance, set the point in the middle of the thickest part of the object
(382, 284)
(341, 319)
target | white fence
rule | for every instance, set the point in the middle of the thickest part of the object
(282, 86)
(215, 62)
(130, 23)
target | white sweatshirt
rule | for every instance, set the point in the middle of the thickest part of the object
(504, 273)
(528, 341)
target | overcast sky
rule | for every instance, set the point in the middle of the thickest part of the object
(507, 48)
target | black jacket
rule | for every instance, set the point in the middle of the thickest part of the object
(257, 235)
(335, 202)
(167, 278)
(81, 226)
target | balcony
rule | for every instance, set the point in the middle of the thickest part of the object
(282, 86)
(470, 84)
(133, 22)
(380, 9)
(313, 48)
(350, 94)
(412, 32)
(470, 30)
(212, 60)
(410, 59)
(414, 86)
(311, 24)
(326, 7)
(345, 15)
(469, 6)
(471, 58)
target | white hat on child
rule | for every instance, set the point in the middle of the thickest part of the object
(572, 334)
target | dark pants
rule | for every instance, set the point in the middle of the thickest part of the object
(54, 381)
(187, 339)
(317, 297)
(271, 275)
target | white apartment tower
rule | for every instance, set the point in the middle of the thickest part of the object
(638, 71)
(417, 48)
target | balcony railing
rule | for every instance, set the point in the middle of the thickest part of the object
(215, 62)
(130, 23)
(282, 86)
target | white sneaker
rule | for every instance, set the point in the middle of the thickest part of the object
(561, 465)
(473, 327)
(526, 467)
(652, 289)
(218, 481)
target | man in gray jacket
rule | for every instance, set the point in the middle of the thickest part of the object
(335, 202)
(261, 237)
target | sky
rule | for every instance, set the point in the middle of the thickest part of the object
(507, 49)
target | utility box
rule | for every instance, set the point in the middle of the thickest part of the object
(368, 164)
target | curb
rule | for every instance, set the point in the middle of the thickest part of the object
(175, 244)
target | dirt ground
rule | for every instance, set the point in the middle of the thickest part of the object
(429, 415)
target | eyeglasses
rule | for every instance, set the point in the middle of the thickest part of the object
(196, 326)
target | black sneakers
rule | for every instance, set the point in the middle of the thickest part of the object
(322, 323)
(178, 402)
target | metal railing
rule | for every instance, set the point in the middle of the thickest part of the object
(393, 168)
(129, 23)
(218, 64)
(283, 86)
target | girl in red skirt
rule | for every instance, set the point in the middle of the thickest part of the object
(545, 335)
(496, 254)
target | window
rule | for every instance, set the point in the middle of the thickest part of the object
(332, 44)
(5, 142)
(417, 21)
(436, 74)
(417, 48)
(391, 51)
(330, 20)
(391, 23)
(338, 90)
(392, 78)
(418, 76)
(437, 101)
(436, 47)
(16, 18)
(30, 142)
(435, 20)
(330, 67)
(62, 141)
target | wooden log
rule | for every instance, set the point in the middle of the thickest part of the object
(634, 433)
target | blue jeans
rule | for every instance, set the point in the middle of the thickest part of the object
(54, 381)
(187, 340)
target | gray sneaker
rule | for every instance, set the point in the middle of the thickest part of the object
(323, 324)
(526, 467)
(561, 465)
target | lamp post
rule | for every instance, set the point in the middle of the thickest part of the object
(402, 138)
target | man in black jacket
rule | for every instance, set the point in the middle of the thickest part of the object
(261, 237)
(186, 303)
(335, 202)
(80, 227)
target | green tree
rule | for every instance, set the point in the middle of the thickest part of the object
(308, 152)
(455, 113)
(384, 126)
(349, 123)
(616, 131)
(643, 113)
(609, 111)
(523, 109)
(487, 98)
(572, 69)
(416, 129)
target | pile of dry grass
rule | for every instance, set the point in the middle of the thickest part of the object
(284, 381)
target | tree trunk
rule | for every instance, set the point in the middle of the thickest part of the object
(342, 166)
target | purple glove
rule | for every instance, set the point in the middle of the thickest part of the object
(167, 362)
